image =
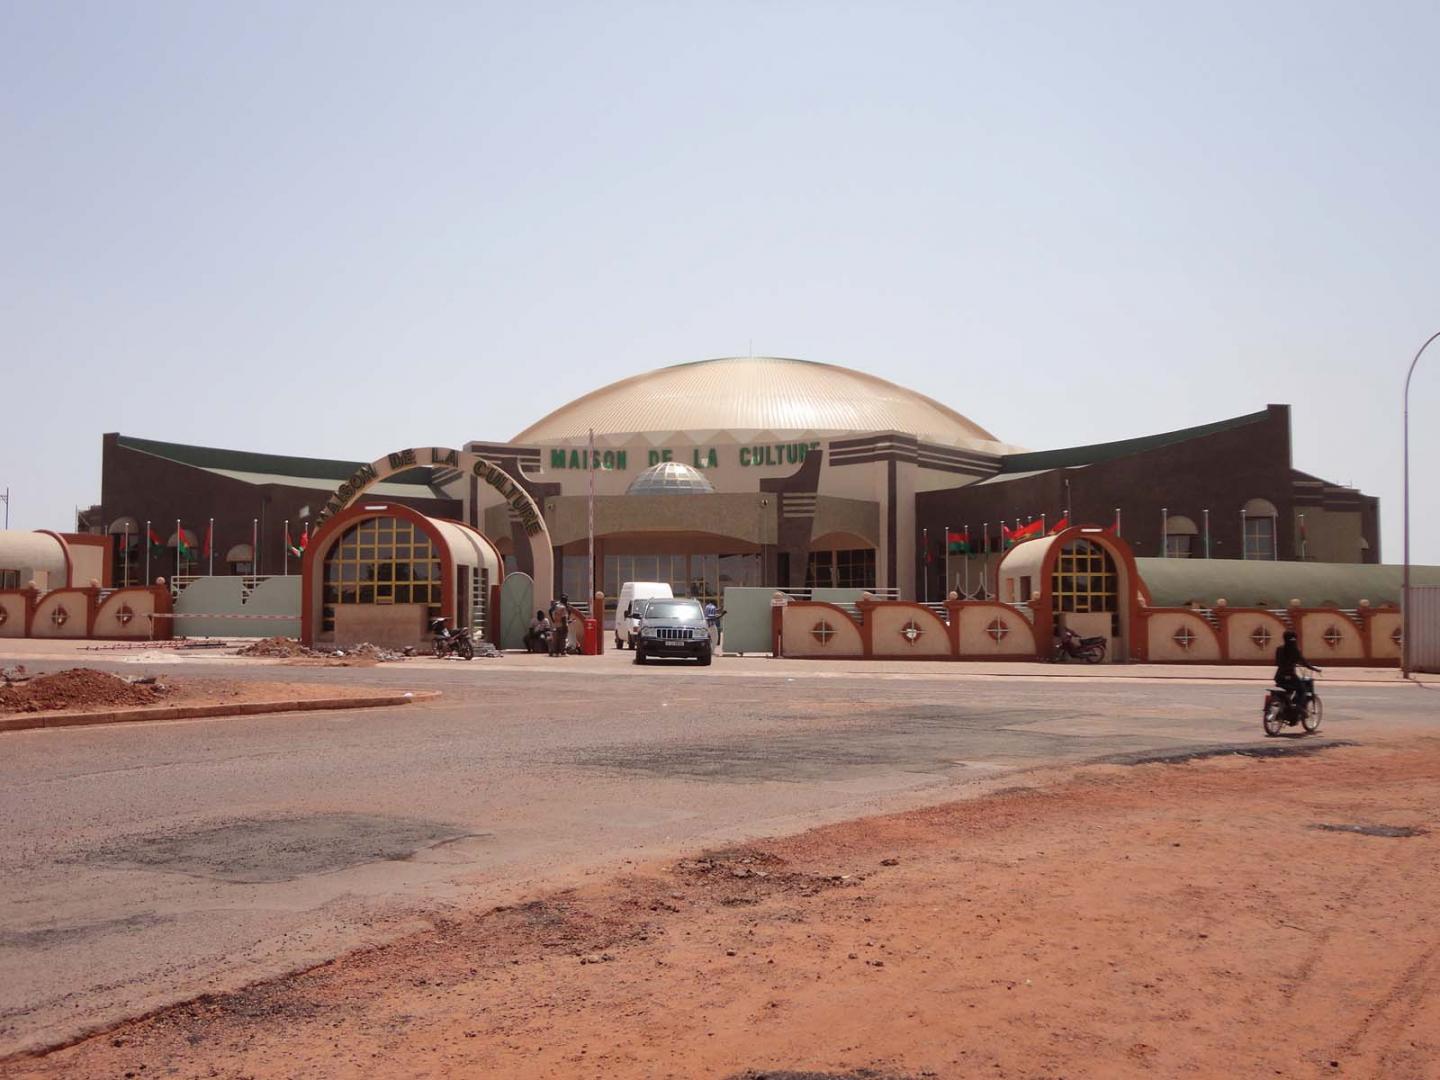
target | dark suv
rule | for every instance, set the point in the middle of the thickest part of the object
(673, 628)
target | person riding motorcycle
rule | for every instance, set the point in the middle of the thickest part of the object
(1288, 660)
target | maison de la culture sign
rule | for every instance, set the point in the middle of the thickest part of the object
(702, 457)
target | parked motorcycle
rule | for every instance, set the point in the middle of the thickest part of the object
(1071, 646)
(449, 642)
(1280, 710)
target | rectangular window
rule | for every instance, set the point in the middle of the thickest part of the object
(820, 570)
(9, 579)
(1260, 538)
(853, 569)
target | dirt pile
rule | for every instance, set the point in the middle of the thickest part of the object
(78, 688)
(366, 651)
(281, 647)
(284, 648)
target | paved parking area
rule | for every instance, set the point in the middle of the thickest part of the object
(146, 863)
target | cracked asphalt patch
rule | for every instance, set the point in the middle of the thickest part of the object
(265, 850)
(1394, 831)
(1252, 750)
(48, 936)
(926, 737)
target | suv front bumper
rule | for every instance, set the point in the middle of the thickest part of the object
(693, 648)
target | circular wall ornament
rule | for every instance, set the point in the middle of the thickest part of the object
(912, 632)
(59, 616)
(1332, 636)
(1261, 636)
(1184, 637)
(124, 615)
(1397, 635)
(997, 630)
(822, 632)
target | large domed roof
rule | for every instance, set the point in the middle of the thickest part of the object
(757, 394)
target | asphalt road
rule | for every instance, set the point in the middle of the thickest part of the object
(146, 863)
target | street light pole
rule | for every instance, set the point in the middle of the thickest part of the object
(1405, 496)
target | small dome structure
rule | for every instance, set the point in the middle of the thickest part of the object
(671, 478)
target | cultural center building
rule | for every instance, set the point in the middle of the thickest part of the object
(755, 471)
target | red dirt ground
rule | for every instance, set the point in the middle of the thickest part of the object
(76, 688)
(88, 690)
(1158, 920)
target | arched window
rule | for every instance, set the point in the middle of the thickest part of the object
(381, 560)
(1180, 533)
(1085, 579)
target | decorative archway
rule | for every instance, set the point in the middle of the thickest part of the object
(1129, 589)
(353, 490)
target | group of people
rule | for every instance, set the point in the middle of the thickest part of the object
(551, 633)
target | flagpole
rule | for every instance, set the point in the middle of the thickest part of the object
(945, 592)
(287, 547)
(147, 551)
(1069, 506)
(1042, 525)
(254, 548)
(1244, 543)
(1207, 532)
(925, 565)
(210, 543)
(1303, 538)
(966, 534)
(179, 539)
(1117, 522)
(1164, 532)
(966, 563)
(590, 527)
(126, 557)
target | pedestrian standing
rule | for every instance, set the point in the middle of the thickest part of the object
(560, 616)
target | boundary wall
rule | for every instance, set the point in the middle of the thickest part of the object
(902, 630)
(138, 613)
(991, 630)
(1328, 636)
(221, 606)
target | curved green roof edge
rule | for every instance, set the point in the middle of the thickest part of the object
(1242, 583)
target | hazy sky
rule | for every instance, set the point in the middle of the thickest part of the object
(333, 230)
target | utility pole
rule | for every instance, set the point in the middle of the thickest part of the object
(1405, 604)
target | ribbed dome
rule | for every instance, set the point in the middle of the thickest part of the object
(671, 478)
(757, 394)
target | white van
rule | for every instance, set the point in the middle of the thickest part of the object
(631, 591)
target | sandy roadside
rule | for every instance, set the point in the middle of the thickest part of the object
(1157, 920)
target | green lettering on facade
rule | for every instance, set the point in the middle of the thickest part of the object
(557, 457)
